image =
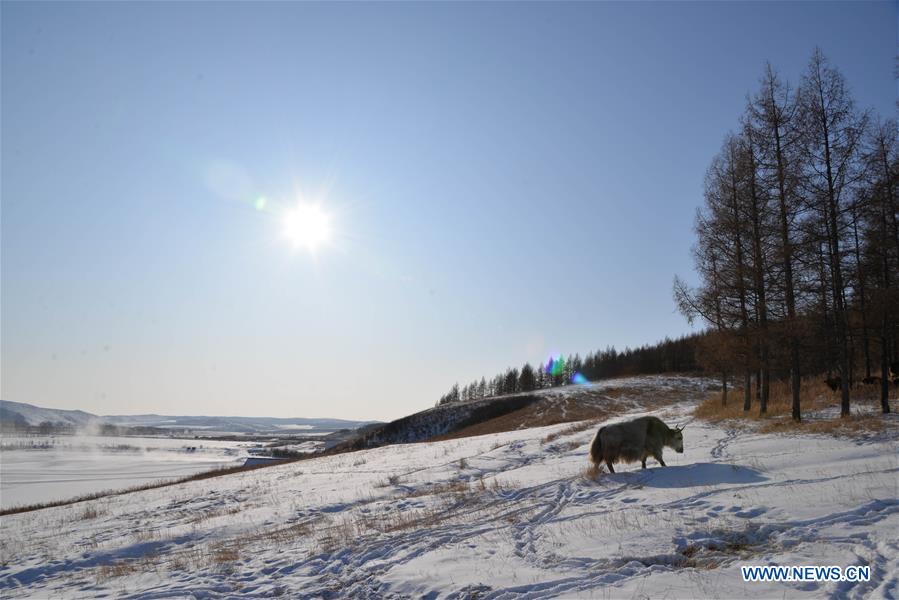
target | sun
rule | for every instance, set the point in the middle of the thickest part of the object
(307, 226)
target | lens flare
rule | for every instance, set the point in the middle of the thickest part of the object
(556, 366)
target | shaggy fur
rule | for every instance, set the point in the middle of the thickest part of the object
(635, 440)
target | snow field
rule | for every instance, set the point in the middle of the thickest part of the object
(45, 469)
(507, 515)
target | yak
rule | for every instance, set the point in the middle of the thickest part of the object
(635, 440)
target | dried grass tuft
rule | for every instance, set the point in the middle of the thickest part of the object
(570, 430)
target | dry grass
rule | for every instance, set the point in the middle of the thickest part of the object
(815, 396)
(568, 446)
(449, 501)
(124, 567)
(287, 534)
(90, 512)
(391, 480)
(225, 554)
(454, 499)
(217, 512)
(570, 430)
(852, 426)
(119, 568)
(454, 486)
(220, 555)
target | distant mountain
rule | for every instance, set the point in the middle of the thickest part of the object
(28, 414)
(19, 413)
(234, 424)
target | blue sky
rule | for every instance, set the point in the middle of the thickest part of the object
(505, 181)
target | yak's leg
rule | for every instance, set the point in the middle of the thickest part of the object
(609, 464)
(643, 462)
(658, 457)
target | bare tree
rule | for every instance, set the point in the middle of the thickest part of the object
(774, 116)
(882, 160)
(758, 213)
(832, 131)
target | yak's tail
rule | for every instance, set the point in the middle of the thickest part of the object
(596, 449)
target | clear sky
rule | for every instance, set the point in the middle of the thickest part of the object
(505, 181)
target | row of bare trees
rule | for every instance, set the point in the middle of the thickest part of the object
(798, 242)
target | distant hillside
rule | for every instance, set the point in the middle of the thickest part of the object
(28, 414)
(599, 400)
(438, 421)
(234, 424)
(13, 414)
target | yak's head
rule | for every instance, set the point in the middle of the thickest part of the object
(677, 439)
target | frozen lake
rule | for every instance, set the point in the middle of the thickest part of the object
(45, 468)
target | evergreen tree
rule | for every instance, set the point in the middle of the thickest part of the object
(526, 379)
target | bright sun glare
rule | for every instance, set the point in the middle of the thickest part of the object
(307, 225)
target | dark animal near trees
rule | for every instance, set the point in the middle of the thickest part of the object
(635, 440)
(834, 383)
(871, 381)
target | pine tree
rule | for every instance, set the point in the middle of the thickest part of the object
(526, 379)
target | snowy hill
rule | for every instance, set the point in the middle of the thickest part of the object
(28, 414)
(543, 407)
(503, 515)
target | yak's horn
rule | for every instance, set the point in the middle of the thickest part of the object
(684, 426)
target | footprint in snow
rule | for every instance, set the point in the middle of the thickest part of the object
(752, 513)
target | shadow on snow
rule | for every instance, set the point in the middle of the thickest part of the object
(697, 474)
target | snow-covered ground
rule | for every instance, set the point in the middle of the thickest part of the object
(507, 515)
(35, 469)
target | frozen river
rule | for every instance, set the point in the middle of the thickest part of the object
(37, 469)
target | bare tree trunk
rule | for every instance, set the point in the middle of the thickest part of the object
(822, 275)
(885, 345)
(747, 390)
(741, 282)
(759, 274)
(836, 272)
(866, 346)
(834, 129)
(787, 258)
(718, 318)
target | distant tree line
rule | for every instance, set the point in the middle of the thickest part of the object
(797, 246)
(669, 355)
(20, 426)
